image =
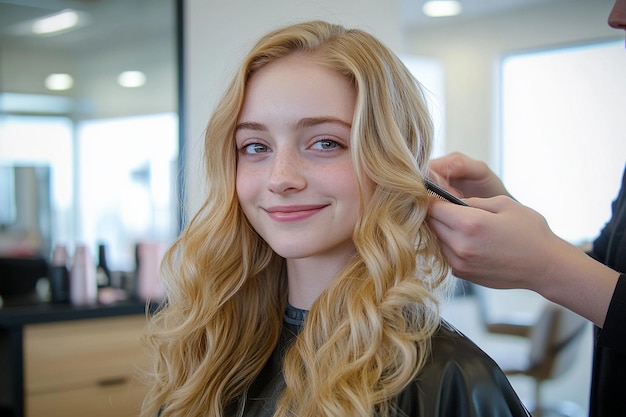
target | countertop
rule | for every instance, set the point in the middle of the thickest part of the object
(18, 313)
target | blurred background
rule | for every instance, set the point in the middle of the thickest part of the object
(101, 121)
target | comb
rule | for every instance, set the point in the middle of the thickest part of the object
(439, 192)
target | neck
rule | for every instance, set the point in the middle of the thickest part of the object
(308, 277)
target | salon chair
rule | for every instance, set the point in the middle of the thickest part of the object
(554, 338)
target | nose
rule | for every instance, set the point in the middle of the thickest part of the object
(287, 172)
(617, 18)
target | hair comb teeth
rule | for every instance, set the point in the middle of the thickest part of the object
(442, 194)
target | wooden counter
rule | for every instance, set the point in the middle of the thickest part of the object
(61, 360)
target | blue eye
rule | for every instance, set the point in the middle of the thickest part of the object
(255, 148)
(325, 144)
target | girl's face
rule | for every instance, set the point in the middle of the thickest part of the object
(295, 178)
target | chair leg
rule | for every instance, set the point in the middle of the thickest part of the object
(537, 406)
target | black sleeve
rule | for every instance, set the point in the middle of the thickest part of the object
(609, 367)
(610, 246)
(612, 334)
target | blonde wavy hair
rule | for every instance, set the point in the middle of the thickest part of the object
(368, 334)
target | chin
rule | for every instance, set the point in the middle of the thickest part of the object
(292, 253)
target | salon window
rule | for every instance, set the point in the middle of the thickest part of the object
(115, 185)
(563, 147)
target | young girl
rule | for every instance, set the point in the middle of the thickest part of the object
(306, 284)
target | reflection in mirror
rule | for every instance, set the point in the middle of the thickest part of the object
(88, 95)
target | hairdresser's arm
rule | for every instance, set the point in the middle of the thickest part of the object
(500, 243)
(466, 177)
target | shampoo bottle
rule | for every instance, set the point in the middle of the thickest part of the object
(83, 285)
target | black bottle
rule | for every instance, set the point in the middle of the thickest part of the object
(103, 274)
(59, 275)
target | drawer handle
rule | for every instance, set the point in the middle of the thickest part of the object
(112, 381)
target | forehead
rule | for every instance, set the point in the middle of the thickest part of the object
(295, 84)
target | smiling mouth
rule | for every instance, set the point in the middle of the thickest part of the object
(293, 213)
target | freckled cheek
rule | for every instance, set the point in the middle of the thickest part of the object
(246, 187)
(345, 182)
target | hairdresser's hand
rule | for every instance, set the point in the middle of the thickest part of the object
(496, 242)
(500, 243)
(466, 177)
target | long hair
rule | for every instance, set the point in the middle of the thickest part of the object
(368, 334)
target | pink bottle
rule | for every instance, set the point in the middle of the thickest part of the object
(60, 257)
(149, 256)
(83, 284)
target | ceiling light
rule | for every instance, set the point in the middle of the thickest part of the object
(442, 8)
(131, 79)
(59, 82)
(57, 22)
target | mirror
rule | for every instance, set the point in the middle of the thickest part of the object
(89, 93)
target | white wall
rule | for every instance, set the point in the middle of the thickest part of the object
(219, 33)
(470, 51)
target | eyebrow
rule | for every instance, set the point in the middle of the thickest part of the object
(302, 123)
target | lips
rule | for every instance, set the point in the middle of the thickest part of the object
(294, 213)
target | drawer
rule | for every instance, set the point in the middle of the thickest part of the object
(81, 354)
(121, 400)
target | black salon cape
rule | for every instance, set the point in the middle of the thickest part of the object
(608, 384)
(459, 380)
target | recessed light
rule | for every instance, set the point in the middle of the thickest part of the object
(57, 22)
(59, 82)
(442, 8)
(131, 79)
